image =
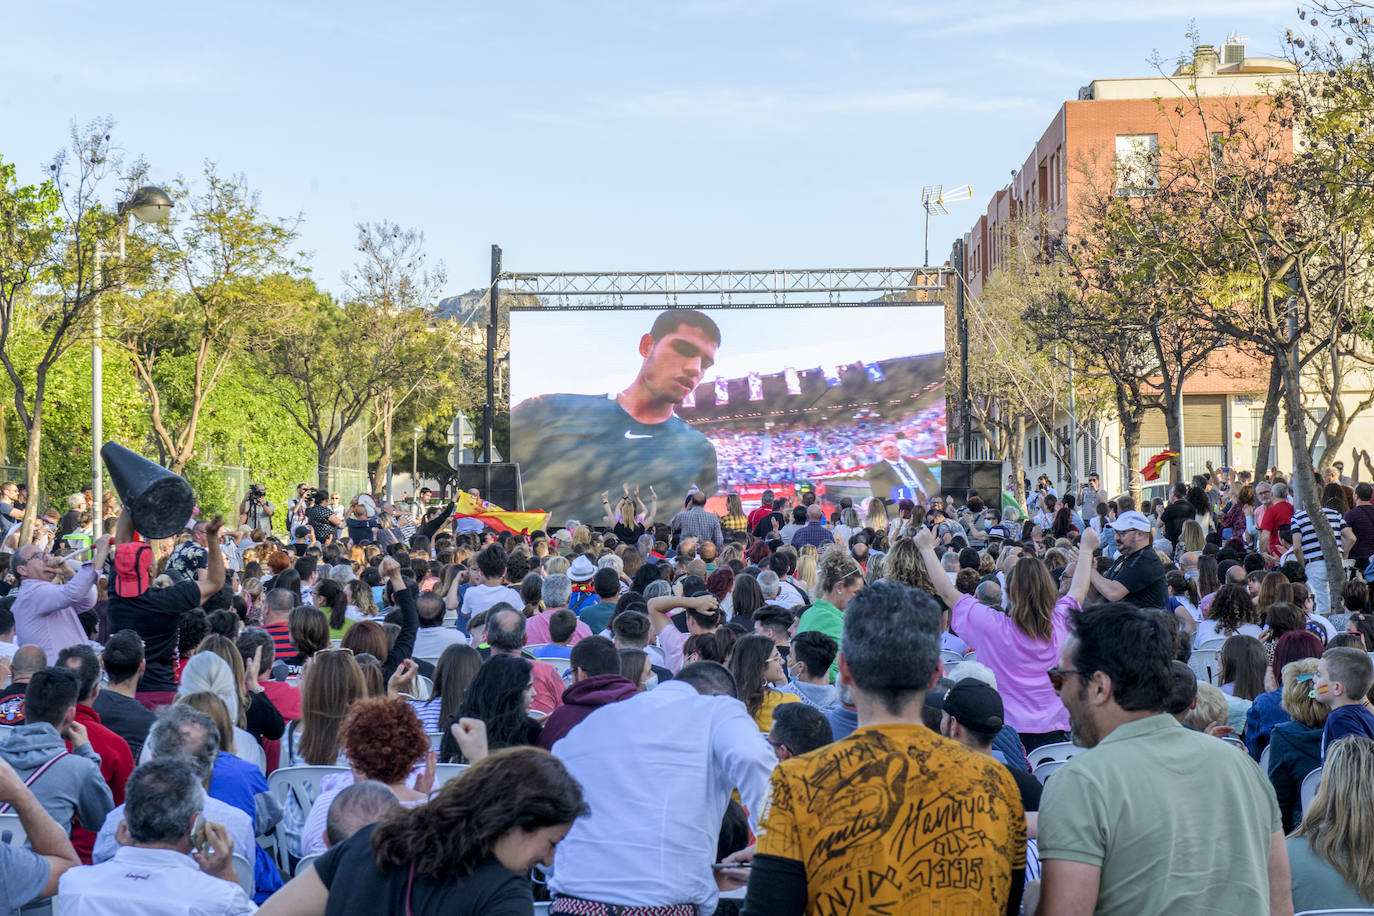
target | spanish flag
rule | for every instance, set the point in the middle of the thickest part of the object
(468, 506)
(1157, 464)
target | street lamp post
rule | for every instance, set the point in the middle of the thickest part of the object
(149, 204)
(415, 463)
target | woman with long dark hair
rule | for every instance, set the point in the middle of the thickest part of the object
(500, 695)
(331, 598)
(453, 672)
(468, 852)
(331, 683)
(758, 666)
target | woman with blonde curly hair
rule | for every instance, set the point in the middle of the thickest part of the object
(839, 577)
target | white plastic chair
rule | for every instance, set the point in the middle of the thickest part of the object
(443, 772)
(434, 739)
(1309, 787)
(301, 784)
(949, 655)
(1046, 769)
(1206, 665)
(244, 869)
(1059, 751)
(561, 665)
(1264, 759)
(1214, 643)
(305, 862)
(12, 830)
(424, 688)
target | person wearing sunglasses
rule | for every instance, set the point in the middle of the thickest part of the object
(1121, 830)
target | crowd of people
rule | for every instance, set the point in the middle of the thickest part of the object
(804, 451)
(900, 707)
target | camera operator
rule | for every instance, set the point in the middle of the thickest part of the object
(256, 510)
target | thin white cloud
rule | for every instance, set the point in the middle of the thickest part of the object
(1003, 15)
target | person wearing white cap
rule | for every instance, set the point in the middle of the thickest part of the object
(583, 595)
(1137, 576)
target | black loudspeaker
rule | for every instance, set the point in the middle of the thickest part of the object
(498, 483)
(958, 477)
(159, 501)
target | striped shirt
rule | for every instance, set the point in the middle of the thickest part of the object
(1306, 534)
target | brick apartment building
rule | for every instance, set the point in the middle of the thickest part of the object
(1101, 135)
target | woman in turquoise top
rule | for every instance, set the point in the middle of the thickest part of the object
(1331, 854)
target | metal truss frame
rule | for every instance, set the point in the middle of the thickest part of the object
(841, 287)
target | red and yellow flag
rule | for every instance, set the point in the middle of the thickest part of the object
(1155, 465)
(468, 506)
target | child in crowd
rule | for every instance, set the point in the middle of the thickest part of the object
(1343, 678)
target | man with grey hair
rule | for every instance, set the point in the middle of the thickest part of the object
(506, 636)
(950, 564)
(355, 807)
(890, 774)
(186, 734)
(770, 585)
(989, 592)
(176, 863)
(1278, 515)
(645, 545)
(556, 595)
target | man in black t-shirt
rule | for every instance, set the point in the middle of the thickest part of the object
(571, 446)
(1137, 576)
(153, 614)
(322, 518)
(1176, 513)
(972, 715)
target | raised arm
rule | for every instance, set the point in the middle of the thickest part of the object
(1082, 570)
(606, 513)
(410, 621)
(652, 510)
(944, 589)
(214, 560)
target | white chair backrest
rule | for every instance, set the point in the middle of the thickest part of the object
(971, 656)
(244, 869)
(443, 772)
(1214, 643)
(1232, 739)
(1309, 787)
(435, 738)
(1060, 751)
(11, 830)
(1264, 759)
(1206, 665)
(949, 655)
(304, 863)
(1046, 769)
(561, 665)
(302, 783)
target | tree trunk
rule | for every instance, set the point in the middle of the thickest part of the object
(1130, 445)
(323, 456)
(1173, 432)
(1018, 464)
(1305, 478)
(31, 466)
(1267, 420)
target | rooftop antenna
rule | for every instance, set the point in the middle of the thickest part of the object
(933, 200)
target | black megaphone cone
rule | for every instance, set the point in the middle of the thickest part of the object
(159, 501)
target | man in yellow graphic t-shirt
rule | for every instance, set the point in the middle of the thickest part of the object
(894, 818)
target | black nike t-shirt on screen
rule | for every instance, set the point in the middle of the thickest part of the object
(573, 447)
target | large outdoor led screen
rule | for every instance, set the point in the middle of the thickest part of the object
(847, 401)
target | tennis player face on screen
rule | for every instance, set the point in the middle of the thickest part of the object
(674, 365)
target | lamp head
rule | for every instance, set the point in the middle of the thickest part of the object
(149, 204)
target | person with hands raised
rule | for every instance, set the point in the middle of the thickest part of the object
(46, 612)
(1025, 642)
(703, 616)
(403, 597)
(153, 613)
(31, 873)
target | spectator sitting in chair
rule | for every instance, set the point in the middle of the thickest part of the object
(32, 873)
(562, 627)
(175, 861)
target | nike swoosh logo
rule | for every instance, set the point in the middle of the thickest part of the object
(630, 435)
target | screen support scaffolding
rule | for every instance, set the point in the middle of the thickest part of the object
(841, 287)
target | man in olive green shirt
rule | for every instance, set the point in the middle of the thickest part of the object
(1154, 818)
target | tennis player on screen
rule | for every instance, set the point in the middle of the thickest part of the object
(571, 447)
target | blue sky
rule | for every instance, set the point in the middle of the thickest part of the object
(591, 135)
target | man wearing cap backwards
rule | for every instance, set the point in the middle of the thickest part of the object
(1137, 576)
(972, 715)
(570, 445)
